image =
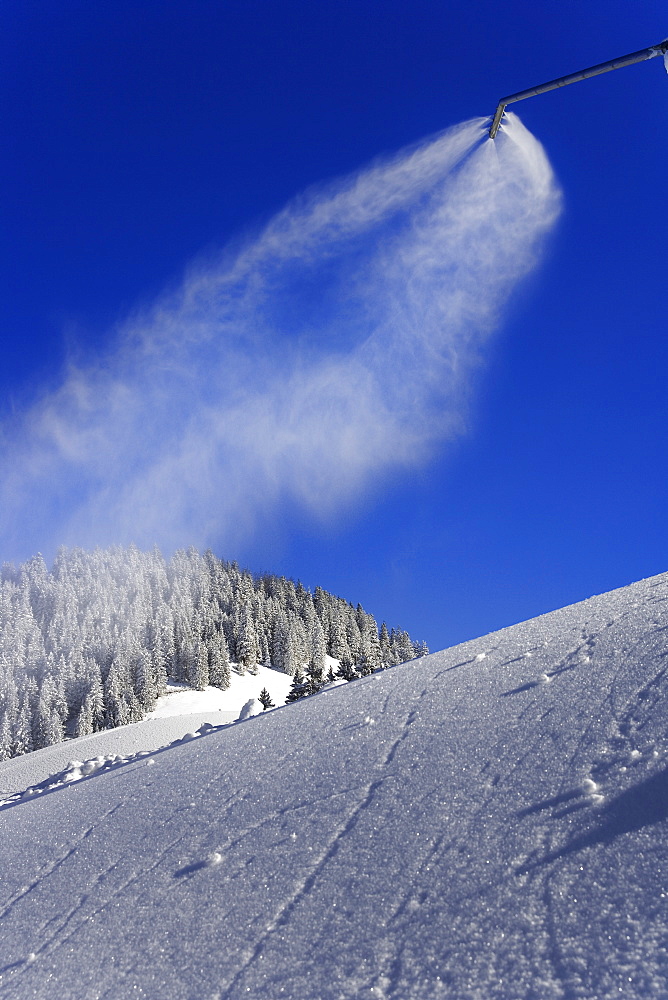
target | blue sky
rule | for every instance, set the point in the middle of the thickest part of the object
(142, 136)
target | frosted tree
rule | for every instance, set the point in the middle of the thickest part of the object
(92, 642)
(144, 679)
(338, 642)
(6, 721)
(116, 690)
(284, 655)
(198, 666)
(401, 645)
(246, 644)
(22, 737)
(47, 726)
(318, 648)
(219, 664)
(386, 652)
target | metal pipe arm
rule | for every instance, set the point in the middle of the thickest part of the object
(584, 74)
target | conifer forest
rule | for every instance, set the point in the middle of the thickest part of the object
(91, 643)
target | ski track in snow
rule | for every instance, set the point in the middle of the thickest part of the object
(489, 821)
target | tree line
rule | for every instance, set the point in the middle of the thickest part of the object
(91, 643)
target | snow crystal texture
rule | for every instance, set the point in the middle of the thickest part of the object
(466, 826)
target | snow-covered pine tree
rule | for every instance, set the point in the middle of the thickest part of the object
(22, 737)
(402, 645)
(318, 648)
(387, 654)
(197, 671)
(246, 642)
(219, 663)
(6, 721)
(110, 627)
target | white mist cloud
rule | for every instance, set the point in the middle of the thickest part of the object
(337, 345)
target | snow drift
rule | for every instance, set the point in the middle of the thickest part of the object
(489, 821)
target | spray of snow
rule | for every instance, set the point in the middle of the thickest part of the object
(337, 344)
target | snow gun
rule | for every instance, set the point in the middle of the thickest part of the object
(584, 74)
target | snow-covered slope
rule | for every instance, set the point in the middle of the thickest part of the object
(181, 700)
(178, 712)
(487, 822)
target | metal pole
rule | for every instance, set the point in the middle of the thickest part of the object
(563, 81)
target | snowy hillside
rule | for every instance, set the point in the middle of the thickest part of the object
(179, 711)
(94, 642)
(490, 823)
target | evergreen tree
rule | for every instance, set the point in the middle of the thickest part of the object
(219, 665)
(314, 679)
(402, 645)
(318, 645)
(5, 735)
(387, 655)
(265, 699)
(246, 644)
(338, 643)
(47, 726)
(116, 709)
(22, 738)
(83, 725)
(346, 670)
(364, 665)
(198, 666)
(144, 680)
(298, 689)
(92, 642)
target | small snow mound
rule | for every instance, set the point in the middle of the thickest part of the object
(252, 707)
(589, 786)
(480, 656)
(213, 859)
(91, 766)
(369, 721)
(544, 679)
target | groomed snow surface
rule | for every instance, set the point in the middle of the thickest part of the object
(486, 822)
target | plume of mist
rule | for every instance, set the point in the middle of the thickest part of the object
(336, 345)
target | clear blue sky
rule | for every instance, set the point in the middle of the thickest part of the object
(139, 135)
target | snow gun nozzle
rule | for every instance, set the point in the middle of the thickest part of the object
(496, 121)
(634, 57)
